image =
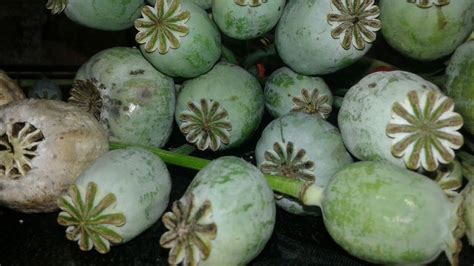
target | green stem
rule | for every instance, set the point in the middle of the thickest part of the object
(309, 195)
(337, 102)
(184, 149)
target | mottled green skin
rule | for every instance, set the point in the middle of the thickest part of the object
(460, 84)
(138, 100)
(140, 182)
(246, 22)
(303, 39)
(426, 33)
(237, 91)
(321, 141)
(388, 215)
(366, 111)
(284, 84)
(202, 3)
(104, 14)
(198, 51)
(242, 208)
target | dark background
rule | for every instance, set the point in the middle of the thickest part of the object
(34, 44)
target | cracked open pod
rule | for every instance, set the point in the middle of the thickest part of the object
(225, 217)
(400, 118)
(44, 146)
(122, 194)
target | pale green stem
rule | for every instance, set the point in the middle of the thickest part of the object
(184, 149)
(337, 102)
(309, 195)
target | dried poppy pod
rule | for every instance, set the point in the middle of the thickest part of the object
(9, 90)
(400, 118)
(44, 146)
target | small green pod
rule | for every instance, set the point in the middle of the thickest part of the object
(287, 91)
(112, 15)
(314, 156)
(426, 29)
(315, 37)
(178, 38)
(460, 84)
(225, 217)
(400, 118)
(246, 19)
(388, 215)
(220, 109)
(122, 194)
(133, 100)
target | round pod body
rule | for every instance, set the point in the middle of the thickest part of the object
(45, 89)
(9, 90)
(178, 38)
(119, 196)
(44, 146)
(220, 109)
(426, 30)
(286, 91)
(388, 215)
(400, 118)
(202, 3)
(301, 146)
(317, 37)
(468, 217)
(460, 84)
(112, 15)
(226, 216)
(133, 100)
(246, 19)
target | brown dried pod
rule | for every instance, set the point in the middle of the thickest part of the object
(9, 89)
(44, 146)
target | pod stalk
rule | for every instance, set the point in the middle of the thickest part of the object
(307, 193)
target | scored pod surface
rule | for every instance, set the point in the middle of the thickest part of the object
(133, 100)
(122, 194)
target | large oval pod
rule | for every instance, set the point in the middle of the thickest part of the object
(178, 38)
(133, 100)
(225, 217)
(317, 37)
(123, 193)
(426, 29)
(314, 156)
(460, 84)
(44, 147)
(220, 109)
(389, 215)
(246, 19)
(400, 118)
(110, 15)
